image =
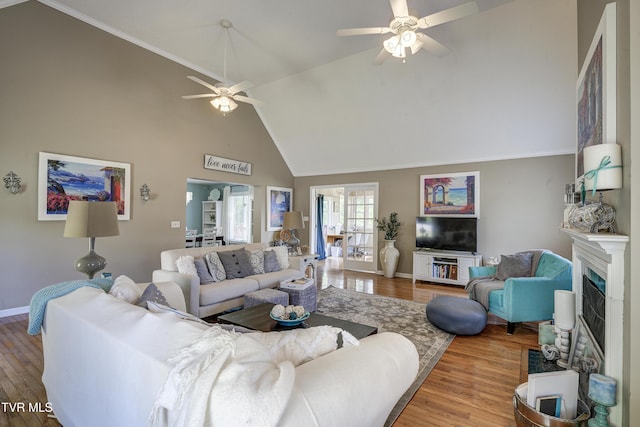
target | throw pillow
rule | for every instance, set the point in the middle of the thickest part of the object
(203, 271)
(153, 294)
(256, 259)
(271, 263)
(215, 267)
(236, 263)
(186, 265)
(125, 289)
(517, 265)
(155, 307)
(282, 252)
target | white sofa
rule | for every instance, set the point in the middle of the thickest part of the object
(213, 298)
(105, 361)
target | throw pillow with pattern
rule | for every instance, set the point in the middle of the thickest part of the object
(256, 259)
(216, 268)
(153, 294)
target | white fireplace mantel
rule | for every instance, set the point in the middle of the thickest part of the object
(603, 253)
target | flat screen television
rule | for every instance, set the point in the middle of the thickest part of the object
(447, 234)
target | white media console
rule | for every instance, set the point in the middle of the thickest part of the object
(444, 267)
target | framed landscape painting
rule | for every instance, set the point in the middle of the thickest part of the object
(64, 178)
(453, 194)
(596, 90)
(279, 201)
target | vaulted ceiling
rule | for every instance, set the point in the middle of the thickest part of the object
(505, 90)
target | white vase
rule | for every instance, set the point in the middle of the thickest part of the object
(389, 256)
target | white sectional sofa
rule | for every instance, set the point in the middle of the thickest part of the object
(213, 298)
(105, 362)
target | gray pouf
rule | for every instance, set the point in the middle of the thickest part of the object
(460, 316)
(262, 296)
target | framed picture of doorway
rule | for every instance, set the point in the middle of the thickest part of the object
(64, 178)
(279, 201)
(451, 194)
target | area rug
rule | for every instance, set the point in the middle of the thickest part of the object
(390, 315)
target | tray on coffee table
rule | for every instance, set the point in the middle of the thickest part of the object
(257, 318)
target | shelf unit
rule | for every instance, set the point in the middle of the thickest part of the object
(444, 267)
(211, 211)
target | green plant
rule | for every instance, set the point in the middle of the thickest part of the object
(390, 226)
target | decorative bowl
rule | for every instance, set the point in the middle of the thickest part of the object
(293, 322)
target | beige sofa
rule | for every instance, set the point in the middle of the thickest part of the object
(213, 298)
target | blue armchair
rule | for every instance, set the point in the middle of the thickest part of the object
(528, 299)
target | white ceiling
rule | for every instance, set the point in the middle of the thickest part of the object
(330, 110)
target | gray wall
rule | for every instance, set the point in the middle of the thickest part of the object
(69, 88)
(521, 203)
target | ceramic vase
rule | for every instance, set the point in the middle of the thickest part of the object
(389, 256)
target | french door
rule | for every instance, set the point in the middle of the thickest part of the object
(359, 244)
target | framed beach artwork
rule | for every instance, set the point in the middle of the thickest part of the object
(64, 178)
(596, 90)
(453, 194)
(279, 201)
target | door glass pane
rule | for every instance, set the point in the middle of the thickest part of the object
(360, 225)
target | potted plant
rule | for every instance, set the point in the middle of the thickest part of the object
(389, 255)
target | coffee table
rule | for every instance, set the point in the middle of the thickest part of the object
(257, 318)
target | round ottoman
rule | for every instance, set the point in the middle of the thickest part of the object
(460, 316)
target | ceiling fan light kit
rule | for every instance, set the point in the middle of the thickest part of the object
(404, 27)
(224, 98)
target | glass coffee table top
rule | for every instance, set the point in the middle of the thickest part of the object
(257, 318)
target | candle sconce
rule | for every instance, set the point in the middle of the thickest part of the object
(12, 182)
(145, 192)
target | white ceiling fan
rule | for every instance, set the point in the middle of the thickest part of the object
(404, 26)
(224, 96)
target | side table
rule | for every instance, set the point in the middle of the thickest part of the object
(305, 264)
(304, 294)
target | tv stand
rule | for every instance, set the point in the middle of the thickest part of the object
(444, 267)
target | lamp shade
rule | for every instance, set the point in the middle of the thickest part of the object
(564, 303)
(91, 219)
(292, 221)
(602, 167)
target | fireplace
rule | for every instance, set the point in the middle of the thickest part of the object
(598, 281)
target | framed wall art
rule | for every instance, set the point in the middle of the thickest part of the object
(596, 90)
(453, 194)
(279, 201)
(64, 178)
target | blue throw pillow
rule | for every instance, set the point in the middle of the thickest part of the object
(271, 263)
(203, 271)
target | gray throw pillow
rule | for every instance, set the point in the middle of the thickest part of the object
(236, 263)
(517, 265)
(203, 271)
(153, 294)
(215, 267)
(271, 263)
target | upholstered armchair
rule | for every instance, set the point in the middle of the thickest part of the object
(526, 298)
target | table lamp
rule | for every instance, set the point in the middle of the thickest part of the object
(603, 171)
(291, 222)
(91, 219)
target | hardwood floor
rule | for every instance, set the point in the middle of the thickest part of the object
(472, 384)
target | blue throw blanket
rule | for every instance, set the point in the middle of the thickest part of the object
(41, 298)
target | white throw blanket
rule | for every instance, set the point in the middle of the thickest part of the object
(230, 379)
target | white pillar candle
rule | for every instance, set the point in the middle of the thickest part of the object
(565, 309)
(602, 389)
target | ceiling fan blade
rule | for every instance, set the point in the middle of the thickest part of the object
(399, 8)
(431, 45)
(381, 57)
(448, 15)
(247, 100)
(361, 31)
(240, 87)
(202, 95)
(205, 84)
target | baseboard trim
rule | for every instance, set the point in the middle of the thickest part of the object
(14, 311)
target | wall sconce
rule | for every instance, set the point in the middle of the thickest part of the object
(144, 192)
(12, 182)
